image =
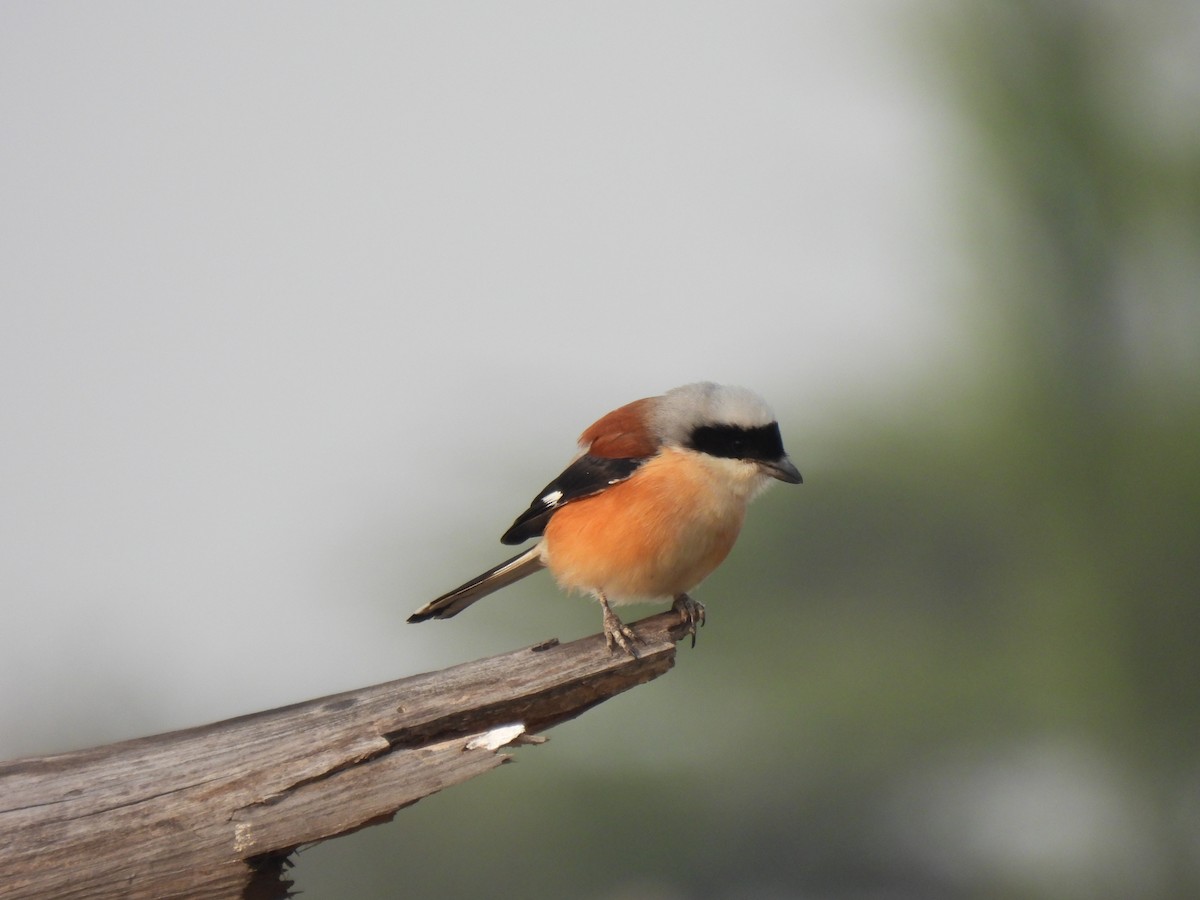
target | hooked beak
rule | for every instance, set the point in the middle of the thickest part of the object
(782, 469)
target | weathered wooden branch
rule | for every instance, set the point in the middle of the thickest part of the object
(214, 811)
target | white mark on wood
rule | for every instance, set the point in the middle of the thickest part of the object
(496, 738)
(243, 838)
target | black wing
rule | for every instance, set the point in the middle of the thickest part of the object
(586, 476)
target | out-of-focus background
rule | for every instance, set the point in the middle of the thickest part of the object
(301, 303)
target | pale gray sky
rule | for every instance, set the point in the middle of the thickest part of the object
(301, 303)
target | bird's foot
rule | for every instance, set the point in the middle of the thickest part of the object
(617, 633)
(691, 614)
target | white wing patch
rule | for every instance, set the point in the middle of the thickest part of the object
(552, 498)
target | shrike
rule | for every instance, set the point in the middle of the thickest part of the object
(648, 508)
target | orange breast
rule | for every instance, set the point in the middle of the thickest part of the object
(658, 534)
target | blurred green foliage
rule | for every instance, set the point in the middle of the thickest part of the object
(964, 660)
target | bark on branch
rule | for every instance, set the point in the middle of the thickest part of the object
(214, 811)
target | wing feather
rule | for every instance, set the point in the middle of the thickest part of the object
(611, 450)
(586, 476)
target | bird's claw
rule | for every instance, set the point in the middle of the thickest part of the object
(618, 634)
(691, 613)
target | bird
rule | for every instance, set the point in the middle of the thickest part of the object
(648, 507)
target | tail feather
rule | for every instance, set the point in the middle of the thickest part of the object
(460, 598)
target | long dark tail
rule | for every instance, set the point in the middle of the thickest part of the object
(460, 598)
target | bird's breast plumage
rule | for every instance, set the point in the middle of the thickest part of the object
(658, 534)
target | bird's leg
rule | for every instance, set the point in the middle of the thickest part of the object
(691, 613)
(616, 632)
